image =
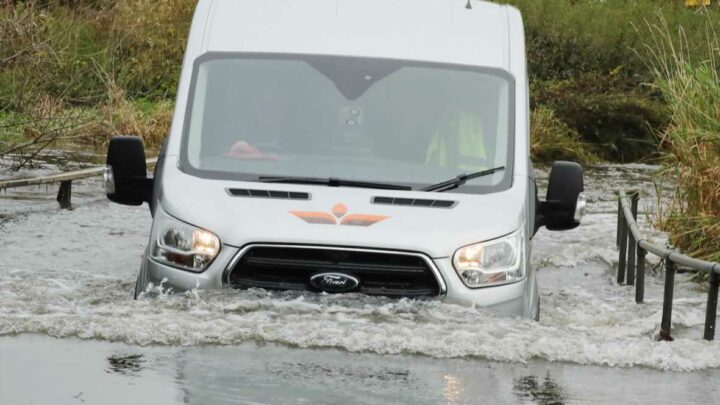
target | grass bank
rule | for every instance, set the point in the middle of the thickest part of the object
(81, 71)
(690, 84)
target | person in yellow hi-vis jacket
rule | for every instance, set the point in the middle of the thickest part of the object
(459, 143)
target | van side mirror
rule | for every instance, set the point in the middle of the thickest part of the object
(564, 205)
(126, 180)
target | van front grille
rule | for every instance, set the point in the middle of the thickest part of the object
(291, 267)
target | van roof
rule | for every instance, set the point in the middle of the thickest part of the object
(424, 30)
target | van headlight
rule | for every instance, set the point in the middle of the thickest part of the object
(181, 245)
(495, 262)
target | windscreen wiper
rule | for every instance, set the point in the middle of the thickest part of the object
(331, 182)
(460, 180)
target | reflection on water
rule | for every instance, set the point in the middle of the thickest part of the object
(125, 364)
(454, 392)
(272, 374)
(545, 392)
(349, 372)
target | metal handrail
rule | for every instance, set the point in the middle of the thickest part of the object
(633, 248)
(65, 179)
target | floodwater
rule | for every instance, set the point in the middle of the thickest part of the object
(70, 332)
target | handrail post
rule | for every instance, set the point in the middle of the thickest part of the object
(632, 243)
(619, 221)
(711, 311)
(634, 198)
(633, 249)
(623, 244)
(64, 194)
(640, 281)
(667, 301)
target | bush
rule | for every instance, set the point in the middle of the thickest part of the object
(70, 52)
(109, 67)
(122, 116)
(551, 139)
(584, 66)
(150, 42)
(691, 86)
(619, 119)
(54, 54)
(566, 38)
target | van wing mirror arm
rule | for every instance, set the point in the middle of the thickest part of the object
(144, 187)
(554, 215)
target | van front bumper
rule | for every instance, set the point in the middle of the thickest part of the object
(509, 299)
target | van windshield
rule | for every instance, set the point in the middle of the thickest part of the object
(252, 116)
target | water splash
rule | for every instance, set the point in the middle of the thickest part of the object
(68, 284)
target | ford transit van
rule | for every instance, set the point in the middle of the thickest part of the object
(373, 147)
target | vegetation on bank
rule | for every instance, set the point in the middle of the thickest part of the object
(80, 71)
(690, 85)
(584, 67)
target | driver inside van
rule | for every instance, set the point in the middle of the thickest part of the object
(458, 142)
(264, 131)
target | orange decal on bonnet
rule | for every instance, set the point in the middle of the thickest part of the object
(339, 210)
(338, 217)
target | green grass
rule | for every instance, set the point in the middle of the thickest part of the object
(567, 38)
(551, 139)
(690, 84)
(584, 66)
(103, 67)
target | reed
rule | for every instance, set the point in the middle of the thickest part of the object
(690, 84)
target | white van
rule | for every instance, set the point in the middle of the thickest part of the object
(349, 146)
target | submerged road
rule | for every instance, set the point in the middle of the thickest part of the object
(70, 333)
